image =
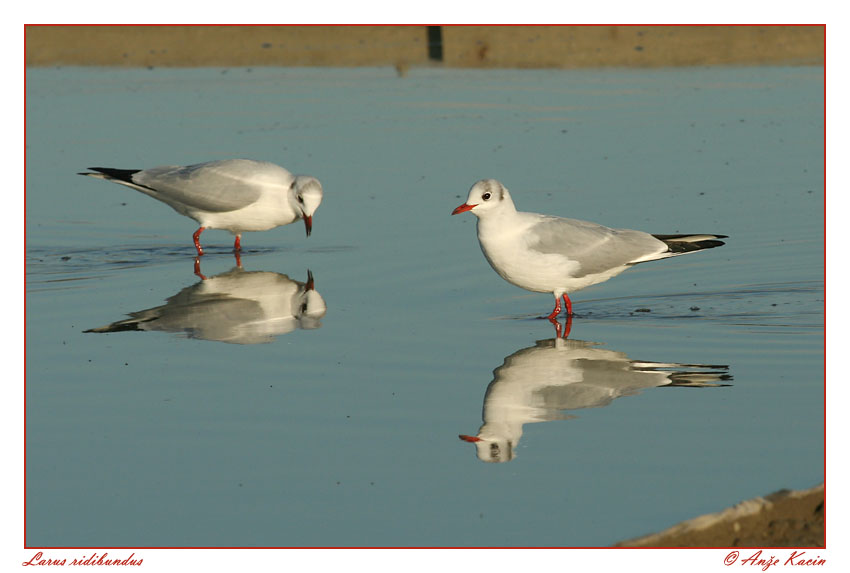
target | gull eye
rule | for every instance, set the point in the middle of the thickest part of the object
(486, 196)
(300, 199)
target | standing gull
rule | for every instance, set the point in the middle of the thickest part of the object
(542, 253)
(236, 195)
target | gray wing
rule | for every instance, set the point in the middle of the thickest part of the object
(596, 248)
(216, 186)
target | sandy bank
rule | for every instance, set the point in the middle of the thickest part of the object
(404, 46)
(781, 519)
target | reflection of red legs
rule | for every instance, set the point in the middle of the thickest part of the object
(568, 325)
(197, 239)
(238, 259)
(557, 311)
(198, 268)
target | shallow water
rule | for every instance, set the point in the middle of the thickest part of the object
(340, 428)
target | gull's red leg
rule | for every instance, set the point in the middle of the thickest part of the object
(557, 309)
(237, 245)
(569, 305)
(197, 238)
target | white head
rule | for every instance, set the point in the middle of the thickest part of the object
(306, 193)
(486, 196)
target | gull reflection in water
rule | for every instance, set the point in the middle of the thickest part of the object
(238, 307)
(538, 383)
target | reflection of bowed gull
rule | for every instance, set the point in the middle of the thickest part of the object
(241, 307)
(542, 253)
(236, 195)
(537, 384)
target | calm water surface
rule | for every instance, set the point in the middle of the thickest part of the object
(236, 412)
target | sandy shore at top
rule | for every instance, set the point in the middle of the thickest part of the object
(408, 46)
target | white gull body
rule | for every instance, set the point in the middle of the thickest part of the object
(542, 253)
(236, 195)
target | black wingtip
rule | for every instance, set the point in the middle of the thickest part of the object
(686, 244)
(119, 174)
(691, 247)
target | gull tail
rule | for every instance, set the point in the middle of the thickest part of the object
(110, 174)
(681, 244)
(122, 176)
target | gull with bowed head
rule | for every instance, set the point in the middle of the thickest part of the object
(542, 253)
(236, 195)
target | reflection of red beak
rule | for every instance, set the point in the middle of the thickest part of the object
(463, 209)
(308, 224)
(464, 437)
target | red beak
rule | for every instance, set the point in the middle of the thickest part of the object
(462, 209)
(308, 224)
(471, 439)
